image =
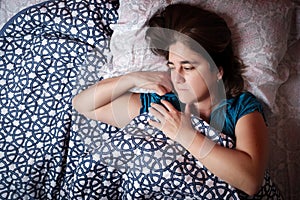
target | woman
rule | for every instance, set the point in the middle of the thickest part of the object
(181, 33)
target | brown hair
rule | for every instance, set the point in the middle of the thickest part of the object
(206, 28)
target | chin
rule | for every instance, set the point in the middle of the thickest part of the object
(186, 99)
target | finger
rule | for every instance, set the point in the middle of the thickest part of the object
(155, 124)
(169, 86)
(161, 90)
(159, 108)
(157, 115)
(164, 87)
(167, 105)
(166, 82)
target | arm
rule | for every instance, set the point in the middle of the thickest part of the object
(242, 167)
(111, 102)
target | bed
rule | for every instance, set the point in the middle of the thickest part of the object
(51, 50)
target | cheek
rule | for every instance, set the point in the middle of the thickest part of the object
(197, 82)
(205, 77)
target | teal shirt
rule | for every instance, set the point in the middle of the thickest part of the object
(224, 117)
(148, 98)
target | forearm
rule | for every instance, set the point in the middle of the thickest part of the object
(235, 167)
(102, 93)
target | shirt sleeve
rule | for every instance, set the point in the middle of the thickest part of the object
(247, 103)
(227, 115)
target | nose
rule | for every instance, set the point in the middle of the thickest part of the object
(178, 77)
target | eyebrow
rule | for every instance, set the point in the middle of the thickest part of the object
(182, 63)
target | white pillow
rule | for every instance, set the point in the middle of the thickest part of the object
(128, 46)
(9, 8)
(259, 30)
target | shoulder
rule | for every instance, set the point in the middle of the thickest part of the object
(228, 113)
(243, 104)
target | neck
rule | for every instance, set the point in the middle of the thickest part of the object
(204, 108)
(203, 111)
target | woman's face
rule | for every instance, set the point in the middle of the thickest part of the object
(191, 75)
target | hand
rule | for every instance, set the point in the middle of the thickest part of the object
(160, 82)
(176, 125)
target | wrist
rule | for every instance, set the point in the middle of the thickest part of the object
(129, 80)
(187, 139)
(194, 143)
(201, 146)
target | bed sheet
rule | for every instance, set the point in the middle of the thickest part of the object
(48, 151)
(49, 52)
(284, 125)
(44, 60)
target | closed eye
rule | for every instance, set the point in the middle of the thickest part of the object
(185, 65)
(188, 67)
(170, 65)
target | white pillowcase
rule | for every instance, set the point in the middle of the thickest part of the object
(128, 45)
(260, 32)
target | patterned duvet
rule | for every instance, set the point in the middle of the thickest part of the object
(49, 52)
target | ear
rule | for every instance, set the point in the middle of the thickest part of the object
(220, 73)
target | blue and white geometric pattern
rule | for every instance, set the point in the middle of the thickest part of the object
(48, 53)
(43, 52)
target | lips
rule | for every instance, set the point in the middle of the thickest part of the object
(181, 89)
